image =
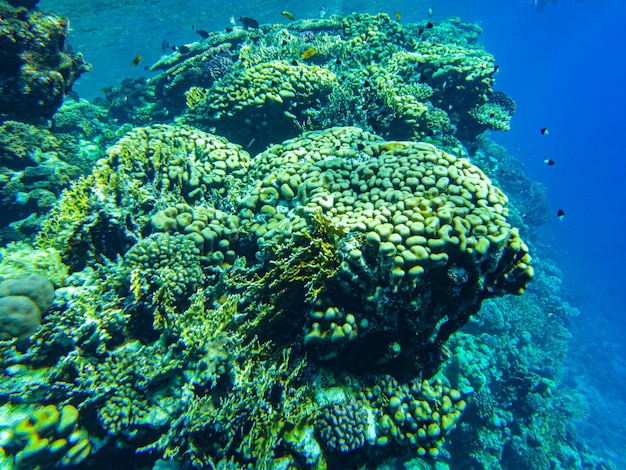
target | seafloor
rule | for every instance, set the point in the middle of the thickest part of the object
(292, 247)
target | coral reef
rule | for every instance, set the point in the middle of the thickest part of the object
(316, 305)
(212, 292)
(254, 86)
(268, 98)
(38, 67)
(509, 362)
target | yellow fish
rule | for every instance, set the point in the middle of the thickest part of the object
(309, 53)
(397, 15)
(135, 61)
(288, 15)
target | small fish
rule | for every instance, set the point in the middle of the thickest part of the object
(135, 61)
(397, 15)
(202, 33)
(294, 62)
(146, 67)
(421, 30)
(229, 30)
(560, 214)
(182, 49)
(549, 162)
(550, 314)
(322, 11)
(429, 25)
(544, 131)
(165, 45)
(431, 11)
(249, 22)
(288, 15)
(496, 68)
(309, 53)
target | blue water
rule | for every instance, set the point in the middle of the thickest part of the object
(564, 66)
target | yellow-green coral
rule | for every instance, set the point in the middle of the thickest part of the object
(492, 115)
(329, 242)
(269, 83)
(20, 258)
(418, 414)
(465, 66)
(48, 437)
(160, 164)
(258, 105)
(374, 37)
(418, 207)
(162, 271)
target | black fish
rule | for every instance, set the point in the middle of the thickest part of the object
(229, 30)
(496, 68)
(560, 214)
(202, 33)
(165, 45)
(421, 30)
(549, 162)
(294, 62)
(429, 25)
(249, 22)
(544, 131)
(182, 49)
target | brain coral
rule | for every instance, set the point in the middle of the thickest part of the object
(420, 237)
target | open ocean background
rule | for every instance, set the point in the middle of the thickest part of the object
(564, 66)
